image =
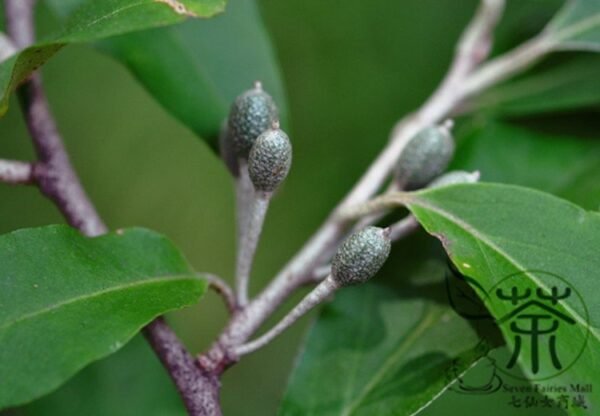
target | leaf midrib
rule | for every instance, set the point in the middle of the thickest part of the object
(429, 318)
(99, 293)
(101, 18)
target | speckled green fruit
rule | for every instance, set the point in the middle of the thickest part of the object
(425, 157)
(251, 114)
(270, 160)
(361, 256)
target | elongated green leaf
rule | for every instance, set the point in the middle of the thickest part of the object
(95, 20)
(130, 382)
(565, 87)
(564, 166)
(66, 300)
(577, 25)
(373, 353)
(509, 237)
(196, 69)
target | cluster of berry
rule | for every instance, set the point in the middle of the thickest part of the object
(259, 155)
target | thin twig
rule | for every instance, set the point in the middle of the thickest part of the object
(56, 178)
(509, 64)
(375, 206)
(243, 194)
(223, 289)
(54, 173)
(475, 44)
(19, 22)
(376, 217)
(7, 48)
(320, 293)
(257, 210)
(319, 273)
(15, 172)
(404, 227)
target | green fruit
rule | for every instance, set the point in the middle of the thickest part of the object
(425, 157)
(361, 256)
(270, 160)
(251, 114)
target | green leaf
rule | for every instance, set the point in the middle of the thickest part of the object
(565, 87)
(374, 353)
(562, 165)
(576, 26)
(494, 231)
(67, 300)
(196, 69)
(95, 20)
(470, 395)
(130, 382)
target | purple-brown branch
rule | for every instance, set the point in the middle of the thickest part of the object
(19, 22)
(56, 178)
(223, 289)
(198, 388)
(54, 173)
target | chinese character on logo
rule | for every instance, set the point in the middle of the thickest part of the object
(535, 316)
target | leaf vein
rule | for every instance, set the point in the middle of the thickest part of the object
(477, 235)
(91, 295)
(428, 319)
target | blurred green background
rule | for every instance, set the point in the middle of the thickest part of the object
(350, 69)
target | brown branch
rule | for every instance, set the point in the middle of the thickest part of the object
(199, 389)
(57, 179)
(54, 173)
(19, 22)
(223, 289)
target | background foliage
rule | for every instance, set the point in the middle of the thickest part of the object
(350, 69)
